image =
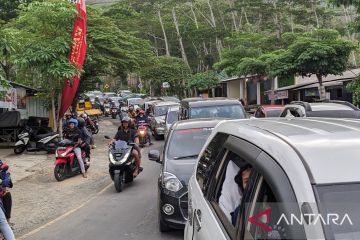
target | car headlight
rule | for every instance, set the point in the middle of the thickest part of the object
(171, 182)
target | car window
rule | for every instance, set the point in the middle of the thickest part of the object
(208, 160)
(172, 117)
(222, 111)
(187, 143)
(228, 183)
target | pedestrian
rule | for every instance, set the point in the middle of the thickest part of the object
(5, 184)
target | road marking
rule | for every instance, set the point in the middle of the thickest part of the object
(68, 213)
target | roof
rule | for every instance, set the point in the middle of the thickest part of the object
(328, 149)
(196, 123)
(166, 104)
(14, 84)
(197, 102)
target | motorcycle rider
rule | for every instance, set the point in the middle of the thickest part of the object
(5, 195)
(4, 225)
(129, 135)
(74, 134)
(89, 122)
(131, 112)
(87, 137)
(143, 119)
(68, 117)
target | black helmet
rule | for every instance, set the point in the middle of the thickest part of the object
(81, 122)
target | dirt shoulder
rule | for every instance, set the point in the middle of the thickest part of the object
(38, 198)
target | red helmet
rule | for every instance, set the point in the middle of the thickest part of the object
(141, 112)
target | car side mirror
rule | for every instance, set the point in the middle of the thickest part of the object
(154, 155)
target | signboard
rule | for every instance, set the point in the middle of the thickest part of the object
(9, 99)
(278, 95)
(106, 86)
(166, 85)
(140, 86)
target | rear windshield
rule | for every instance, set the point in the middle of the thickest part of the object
(187, 143)
(340, 200)
(172, 117)
(273, 112)
(221, 111)
(161, 110)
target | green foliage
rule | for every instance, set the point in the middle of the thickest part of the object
(204, 80)
(166, 69)
(46, 29)
(9, 9)
(354, 88)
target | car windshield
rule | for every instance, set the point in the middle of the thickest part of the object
(187, 143)
(172, 117)
(340, 199)
(161, 110)
(135, 101)
(120, 144)
(221, 111)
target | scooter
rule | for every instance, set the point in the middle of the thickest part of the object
(142, 132)
(94, 128)
(114, 112)
(66, 163)
(30, 141)
(107, 109)
(121, 163)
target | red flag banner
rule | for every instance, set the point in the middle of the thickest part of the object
(76, 56)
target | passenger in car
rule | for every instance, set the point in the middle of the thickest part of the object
(242, 179)
(230, 196)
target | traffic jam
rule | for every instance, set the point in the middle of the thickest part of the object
(272, 172)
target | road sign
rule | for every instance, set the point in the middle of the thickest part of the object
(140, 85)
(166, 85)
(106, 86)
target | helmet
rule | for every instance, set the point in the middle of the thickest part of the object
(141, 111)
(84, 116)
(125, 119)
(74, 121)
(81, 122)
(131, 107)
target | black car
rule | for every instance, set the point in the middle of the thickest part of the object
(182, 147)
(193, 108)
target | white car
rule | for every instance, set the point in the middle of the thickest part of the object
(172, 116)
(283, 178)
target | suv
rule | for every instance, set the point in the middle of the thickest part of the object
(157, 116)
(328, 109)
(182, 147)
(192, 108)
(284, 179)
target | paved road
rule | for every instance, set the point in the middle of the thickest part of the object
(131, 214)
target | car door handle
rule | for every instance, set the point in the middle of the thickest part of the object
(197, 219)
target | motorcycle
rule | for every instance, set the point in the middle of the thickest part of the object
(31, 141)
(142, 133)
(93, 128)
(66, 163)
(114, 112)
(107, 109)
(121, 163)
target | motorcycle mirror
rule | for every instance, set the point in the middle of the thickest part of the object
(107, 137)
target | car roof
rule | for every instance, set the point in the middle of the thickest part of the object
(329, 106)
(326, 105)
(165, 103)
(328, 149)
(198, 102)
(196, 123)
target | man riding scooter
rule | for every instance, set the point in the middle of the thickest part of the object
(132, 112)
(74, 134)
(129, 135)
(143, 119)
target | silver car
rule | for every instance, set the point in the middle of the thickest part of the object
(288, 178)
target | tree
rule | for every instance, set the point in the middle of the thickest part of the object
(354, 88)
(9, 9)
(166, 69)
(204, 81)
(321, 53)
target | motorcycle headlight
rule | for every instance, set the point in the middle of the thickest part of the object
(171, 182)
(142, 132)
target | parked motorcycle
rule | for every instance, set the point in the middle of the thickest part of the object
(66, 163)
(30, 141)
(121, 163)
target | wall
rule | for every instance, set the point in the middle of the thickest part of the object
(36, 108)
(233, 89)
